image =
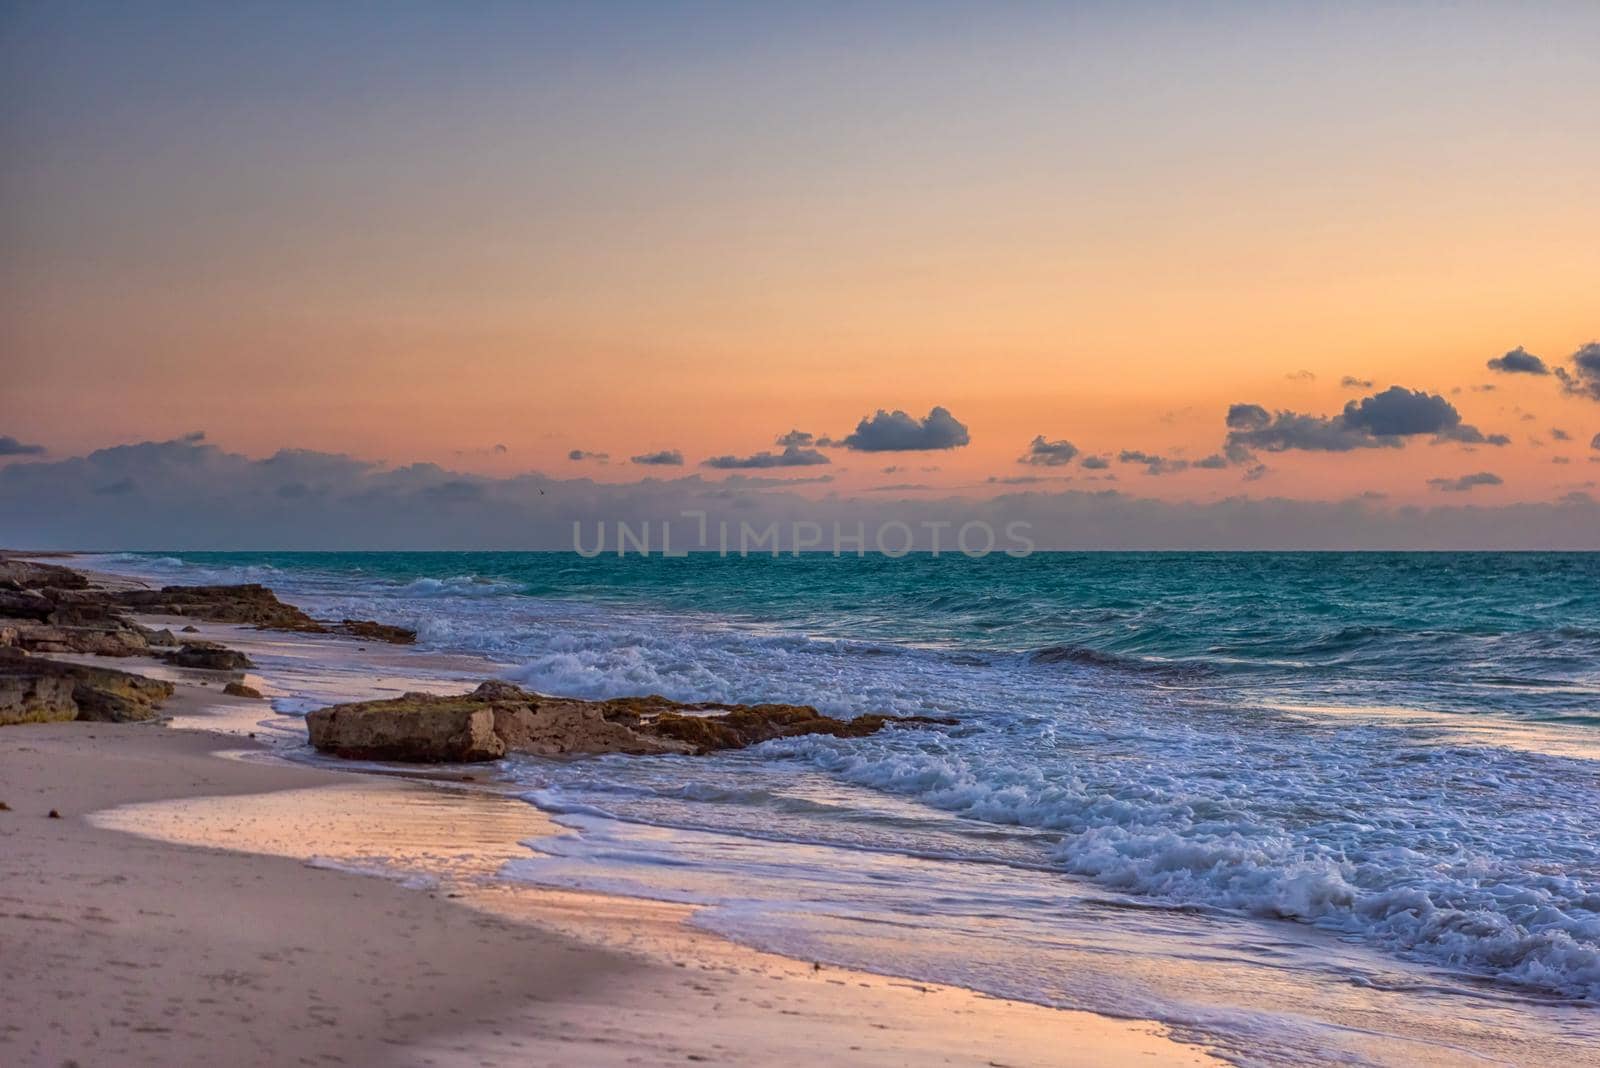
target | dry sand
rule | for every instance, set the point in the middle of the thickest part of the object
(174, 915)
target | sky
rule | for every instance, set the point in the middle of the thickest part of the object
(866, 253)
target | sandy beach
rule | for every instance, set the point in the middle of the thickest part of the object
(201, 898)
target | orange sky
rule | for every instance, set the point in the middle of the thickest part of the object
(1105, 227)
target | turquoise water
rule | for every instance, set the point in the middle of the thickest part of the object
(1515, 633)
(1209, 788)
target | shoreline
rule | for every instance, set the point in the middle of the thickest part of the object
(162, 824)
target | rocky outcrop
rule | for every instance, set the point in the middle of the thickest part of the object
(27, 575)
(207, 656)
(35, 690)
(378, 632)
(251, 604)
(498, 718)
(118, 639)
(239, 689)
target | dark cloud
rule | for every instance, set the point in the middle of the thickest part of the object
(791, 456)
(664, 458)
(1025, 480)
(1584, 378)
(898, 432)
(454, 491)
(501, 449)
(1096, 463)
(1466, 482)
(1519, 361)
(1216, 461)
(1557, 434)
(899, 487)
(10, 446)
(584, 454)
(1383, 420)
(1153, 464)
(1048, 453)
(1248, 417)
(1352, 382)
(1399, 412)
(798, 438)
(1594, 443)
(1560, 460)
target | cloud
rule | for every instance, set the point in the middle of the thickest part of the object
(1383, 420)
(797, 438)
(1594, 443)
(10, 446)
(1048, 453)
(664, 458)
(1466, 482)
(1096, 463)
(898, 432)
(1519, 361)
(1301, 376)
(1153, 464)
(1352, 382)
(1216, 461)
(584, 454)
(188, 495)
(1025, 480)
(791, 456)
(1584, 378)
(1557, 434)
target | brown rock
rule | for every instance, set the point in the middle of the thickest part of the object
(35, 697)
(239, 689)
(122, 640)
(25, 574)
(208, 656)
(37, 690)
(381, 632)
(415, 728)
(249, 603)
(498, 717)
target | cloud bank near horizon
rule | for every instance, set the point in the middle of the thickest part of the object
(188, 494)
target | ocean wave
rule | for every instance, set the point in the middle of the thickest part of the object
(458, 586)
(1090, 657)
(1429, 884)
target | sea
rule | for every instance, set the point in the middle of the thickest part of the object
(1302, 807)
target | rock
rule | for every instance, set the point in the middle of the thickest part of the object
(35, 698)
(382, 632)
(25, 574)
(208, 656)
(191, 629)
(250, 603)
(239, 689)
(8, 637)
(417, 728)
(163, 638)
(122, 640)
(26, 604)
(35, 690)
(498, 717)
